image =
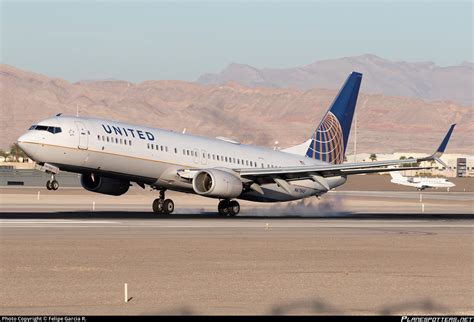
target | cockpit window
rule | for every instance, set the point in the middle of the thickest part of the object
(51, 129)
(54, 129)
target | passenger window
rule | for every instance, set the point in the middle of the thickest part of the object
(161, 148)
(175, 150)
(103, 138)
(129, 142)
(98, 137)
(217, 158)
(107, 139)
(116, 140)
(121, 141)
(166, 148)
(125, 141)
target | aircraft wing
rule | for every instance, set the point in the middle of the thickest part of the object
(332, 170)
(306, 172)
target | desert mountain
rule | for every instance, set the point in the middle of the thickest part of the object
(421, 80)
(250, 115)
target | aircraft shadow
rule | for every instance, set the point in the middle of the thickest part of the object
(212, 215)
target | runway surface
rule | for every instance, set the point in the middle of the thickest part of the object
(236, 266)
(331, 256)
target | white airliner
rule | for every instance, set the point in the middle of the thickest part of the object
(420, 183)
(110, 155)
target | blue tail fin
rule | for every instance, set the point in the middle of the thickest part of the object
(329, 141)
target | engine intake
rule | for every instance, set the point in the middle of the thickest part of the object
(109, 186)
(217, 183)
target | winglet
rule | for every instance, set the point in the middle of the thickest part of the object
(443, 144)
(439, 152)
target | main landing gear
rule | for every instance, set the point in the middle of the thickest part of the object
(229, 208)
(52, 184)
(162, 206)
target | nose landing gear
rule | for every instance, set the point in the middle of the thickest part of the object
(162, 206)
(52, 184)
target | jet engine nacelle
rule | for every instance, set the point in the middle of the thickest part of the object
(109, 186)
(217, 183)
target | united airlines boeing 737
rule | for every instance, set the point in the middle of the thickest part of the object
(110, 155)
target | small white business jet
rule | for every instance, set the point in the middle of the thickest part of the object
(110, 155)
(420, 183)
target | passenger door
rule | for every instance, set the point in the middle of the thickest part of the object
(83, 142)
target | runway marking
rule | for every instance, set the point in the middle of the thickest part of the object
(78, 224)
(53, 221)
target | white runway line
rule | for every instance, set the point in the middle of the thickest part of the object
(7, 223)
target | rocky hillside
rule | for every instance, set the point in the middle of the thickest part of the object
(251, 115)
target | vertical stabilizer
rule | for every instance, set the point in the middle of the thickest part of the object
(329, 141)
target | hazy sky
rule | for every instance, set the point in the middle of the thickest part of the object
(144, 40)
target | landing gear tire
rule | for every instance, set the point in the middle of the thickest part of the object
(223, 208)
(228, 208)
(54, 185)
(158, 206)
(162, 206)
(234, 208)
(168, 206)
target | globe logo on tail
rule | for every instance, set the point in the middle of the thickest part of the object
(327, 141)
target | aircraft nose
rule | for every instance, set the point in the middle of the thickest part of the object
(22, 139)
(25, 142)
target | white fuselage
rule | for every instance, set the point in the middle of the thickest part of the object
(153, 156)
